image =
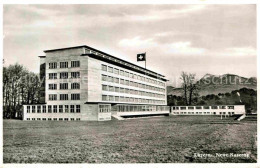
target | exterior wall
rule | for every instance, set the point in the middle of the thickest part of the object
(94, 80)
(238, 109)
(164, 98)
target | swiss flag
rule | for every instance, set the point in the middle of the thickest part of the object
(141, 57)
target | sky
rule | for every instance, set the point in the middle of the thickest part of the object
(200, 39)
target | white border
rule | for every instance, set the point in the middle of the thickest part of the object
(215, 165)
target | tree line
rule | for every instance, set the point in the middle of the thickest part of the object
(19, 87)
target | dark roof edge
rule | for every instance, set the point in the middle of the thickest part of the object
(42, 56)
(64, 48)
(113, 103)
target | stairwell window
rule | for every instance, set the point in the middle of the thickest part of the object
(52, 65)
(63, 86)
(64, 75)
(75, 74)
(63, 64)
(52, 75)
(77, 108)
(72, 109)
(52, 97)
(75, 64)
(64, 97)
(75, 86)
(60, 108)
(75, 96)
(52, 86)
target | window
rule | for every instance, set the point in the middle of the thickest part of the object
(122, 81)
(64, 97)
(222, 107)
(66, 119)
(33, 109)
(230, 107)
(122, 90)
(38, 109)
(52, 86)
(122, 72)
(71, 119)
(116, 71)
(183, 108)
(38, 118)
(75, 64)
(28, 118)
(64, 75)
(116, 98)
(64, 86)
(214, 107)
(63, 64)
(75, 86)
(43, 109)
(52, 97)
(54, 119)
(55, 108)
(104, 98)
(49, 119)
(60, 119)
(72, 110)
(190, 108)
(127, 82)
(66, 108)
(52, 75)
(28, 109)
(110, 79)
(116, 80)
(75, 75)
(52, 65)
(198, 107)
(104, 68)
(49, 109)
(77, 119)
(75, 96)
(105, 87)
(110, 69)
(116, 89)
(77, 108)
(104, 78)
(111, 98)
(206, 107)
(111, 88)
(61, 108)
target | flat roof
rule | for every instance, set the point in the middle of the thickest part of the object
(116, 58)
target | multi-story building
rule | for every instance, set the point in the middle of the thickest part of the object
(83, 83)
(208, 110)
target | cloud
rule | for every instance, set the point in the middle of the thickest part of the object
(181, 48)
(242, 51)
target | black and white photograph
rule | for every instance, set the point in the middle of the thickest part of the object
(129, 83)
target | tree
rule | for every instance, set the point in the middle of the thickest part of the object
(19, 86)
(189, 87)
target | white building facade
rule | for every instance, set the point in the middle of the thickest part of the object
(208, 110)
(83, 83)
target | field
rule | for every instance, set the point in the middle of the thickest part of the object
(147, 140)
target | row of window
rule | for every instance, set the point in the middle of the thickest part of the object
(74, 96)
(64, 75)
(204, 107)
(53, 108)
(224, 113)
(134, 108)
(130, 75)
(64, 86)
(130, 99)
(54, 65)
(131, 83)
(54, 119)
(130, 91)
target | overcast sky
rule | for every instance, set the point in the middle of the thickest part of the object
(215, 39)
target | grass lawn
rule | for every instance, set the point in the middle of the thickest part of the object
(147, 140)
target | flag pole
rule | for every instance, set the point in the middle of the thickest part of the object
(145, 60)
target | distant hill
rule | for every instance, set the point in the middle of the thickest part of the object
(212, 84)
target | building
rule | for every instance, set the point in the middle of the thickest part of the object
(208, 110)
(83, 83)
